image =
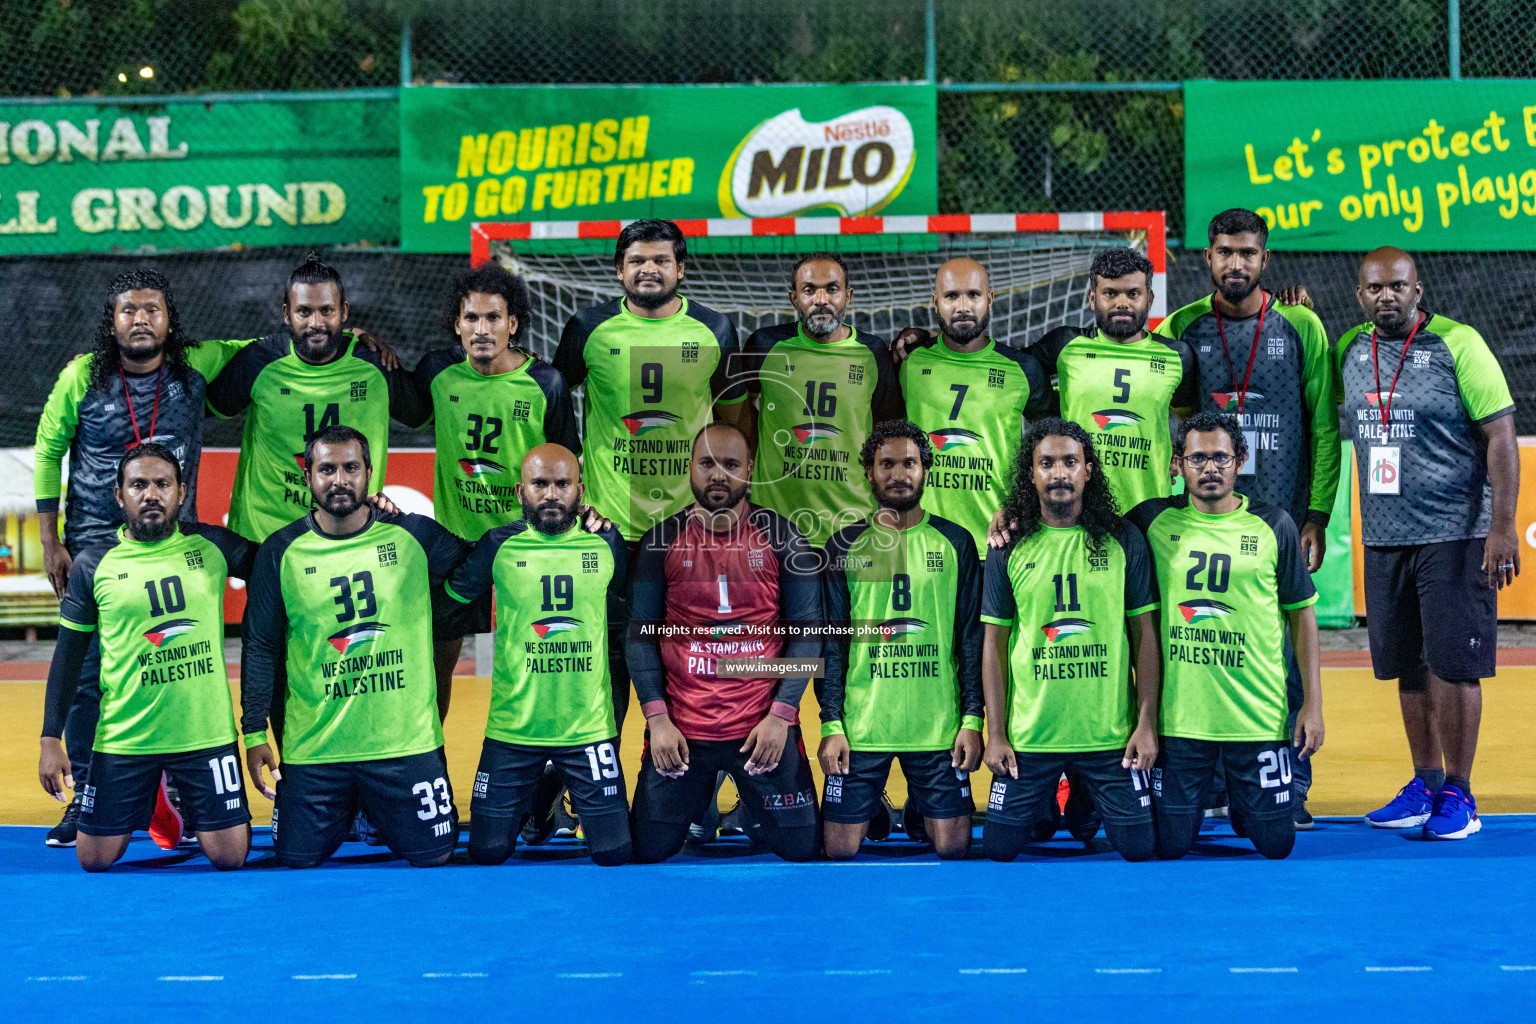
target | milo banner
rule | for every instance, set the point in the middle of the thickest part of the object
(1432, 165)
(471, 153)
(80, 177)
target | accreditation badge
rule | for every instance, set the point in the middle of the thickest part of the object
(1250, 465)
(1384, 471)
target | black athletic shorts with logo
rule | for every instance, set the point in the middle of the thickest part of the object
(1430, 604)
(408, 799)
(1258, 776)
(508, 772)
(937, 789)
(120, 796)
(786, 796)
(1122, 796)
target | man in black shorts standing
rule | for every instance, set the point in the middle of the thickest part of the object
(725, 579)
(1439, 472)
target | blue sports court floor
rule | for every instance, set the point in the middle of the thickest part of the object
(1359, 924)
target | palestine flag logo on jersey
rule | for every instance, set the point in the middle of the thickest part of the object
(944, 440)
(344, 640)
(1377, 397)
(900, 629)
(810, 433)
(555, 624)
(169, 628)
(1199, 611)
(1058, 628)
(1109, 419)
(1226, 398)
(480, 467)
(298, 457)
(644, 422)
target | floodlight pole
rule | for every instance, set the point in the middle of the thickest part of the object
(405, 50)
(1453, 31)
(930, 46)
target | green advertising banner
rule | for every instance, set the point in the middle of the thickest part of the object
(1431, 165)
(471, 153)
(79, 177)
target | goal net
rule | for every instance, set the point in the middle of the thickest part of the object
(1038, 265)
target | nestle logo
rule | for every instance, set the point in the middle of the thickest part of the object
(856, 131)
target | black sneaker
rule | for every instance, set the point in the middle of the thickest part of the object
(188, 830)
(880, 825)
(705, 830)
(540, 822)
(1047, 827)
(912, 822)
(734, 821)
(567, 826)
(63, 834)
(1301, 816)
(1080, 816)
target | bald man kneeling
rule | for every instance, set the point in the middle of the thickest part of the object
(560, 623)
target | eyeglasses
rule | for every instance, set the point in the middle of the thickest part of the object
(1221, 460)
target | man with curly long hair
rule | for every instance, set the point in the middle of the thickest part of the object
(1057, 657)
(143, 381)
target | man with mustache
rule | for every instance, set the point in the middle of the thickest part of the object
(654, 364)
(143, 381)
(974, 396)
(560, 616)
(724, 578)
(341, 598)
(1439, 473)
(820, 386)
(1070, 612)
(1279, 385)
(291, 386)
(154, 593)
(907, 685)
(1233, 580)
(1120, 383)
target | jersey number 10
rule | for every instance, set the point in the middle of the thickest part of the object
(170, 593)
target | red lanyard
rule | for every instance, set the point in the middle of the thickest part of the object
(1384, 405)
(1242, 396)
(154, 414)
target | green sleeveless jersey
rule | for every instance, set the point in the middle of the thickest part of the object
(1123, 393)
(560, 623)
(651, 385)
(909, 676)
(974, 406)
(351, 617)
(485, 424)
(160, 611)
(1227, 581)
(1069, 661)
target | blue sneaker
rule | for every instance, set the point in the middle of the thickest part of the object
(1410, 808)
(1455, 816)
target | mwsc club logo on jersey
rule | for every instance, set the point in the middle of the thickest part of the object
(1199, 611)
(555, 624)
(1058, 628)
(1226, 398)
(853, 164)
(954, 437)
(474, 468)
(810, 433)
(364, 632)
(1113, 419)
(641, 423)
(169, 629)
(900, 629)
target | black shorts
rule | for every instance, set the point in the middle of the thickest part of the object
(938, 790)
(1258, 776)
(408, 799)
(508, 772)
(785, 796)
(120, 796)
(453, 619)
(1122, 796)
(1430, 605)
